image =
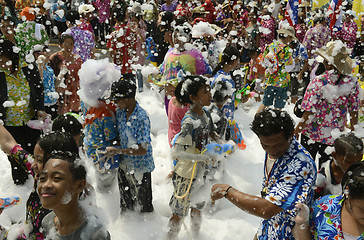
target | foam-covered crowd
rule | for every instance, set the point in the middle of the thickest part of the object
(65, 110)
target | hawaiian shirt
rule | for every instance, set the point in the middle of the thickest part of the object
(267, 25)
(123, 42)
(103, 7)
(28, 34)
(316, 38)
(49, 89)
(284, 53)
(19, 110)
(100, 128)
(59, 12)
(229, 107)
(329, 104)
(183, 10)
(290, 181)
(189, 62)
(348, 33)
(325, 218)
(20, 4)
(299, 52)
(301, 30)
(84, 42)
(132, 132)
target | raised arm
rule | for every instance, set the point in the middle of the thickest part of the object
(7, 142)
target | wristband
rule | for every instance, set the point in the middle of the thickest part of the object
(225, 193)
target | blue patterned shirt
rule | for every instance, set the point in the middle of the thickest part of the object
(291, 181)
(49, 88)
(134, 131)
(229, 107)
(325, 219)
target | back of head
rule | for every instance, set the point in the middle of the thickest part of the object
(72, 17)
(167, 18)
(123, 89)
(229, 55)
(220, 91)
(271, 122)
(119, 11)
(190, 85)
(57, 142)
(7, 50)
(348, 144)
(354, 180)
(67, 123)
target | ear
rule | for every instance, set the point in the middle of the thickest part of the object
(334, 155)
(79, 185)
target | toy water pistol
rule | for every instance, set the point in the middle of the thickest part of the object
(237, 137)
(244, 91)
(215, 148)
(9, 201)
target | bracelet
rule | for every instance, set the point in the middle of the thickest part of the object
(225, 193)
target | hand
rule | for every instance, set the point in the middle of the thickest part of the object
(43, 115)
(303, 214)
(217, 191)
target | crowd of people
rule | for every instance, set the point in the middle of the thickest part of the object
(87, 110)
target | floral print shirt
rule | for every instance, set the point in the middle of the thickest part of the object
(316, 38)
(19, 110)
(329, 104)
(49, 89)
(290, 181)
(267, 25)
(284, 53)
(84, 42)
(325, 218)
(348, 33)
(133, 131)
(103, 7)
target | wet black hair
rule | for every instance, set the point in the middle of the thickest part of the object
(227, 57)
(190, 85)
(119, 11)
(253, 50)
(123, 89)
(167, 18)
(72, 17)
(219, 91)
(78, 170)
(7, 50)
(64, 37)
(354, 180)
(67, 123)
(272, 121)
(57, 142)
(348, 144)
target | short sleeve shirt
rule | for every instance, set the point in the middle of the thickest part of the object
(316, 38)
(325, 218)
(84, 42)
(229, 107)
(290, 181)
(329, 104)
(348, 33)
(49, 88)
(134, 131)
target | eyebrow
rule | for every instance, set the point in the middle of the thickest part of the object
(53, 173)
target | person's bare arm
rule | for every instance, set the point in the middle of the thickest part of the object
(7, 142)
(353, 120)
(251, 204)
(302, 124)
(301, 230)
(139, 150)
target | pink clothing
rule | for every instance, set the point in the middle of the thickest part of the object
(301, 30)
(175, 116)
(86, 25)
(348, 33)
(103, 7)
(267, 25)
(140, 41)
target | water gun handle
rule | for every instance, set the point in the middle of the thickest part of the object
(9, 201)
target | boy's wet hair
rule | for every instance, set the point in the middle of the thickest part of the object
(59, 142)
(72, 17)
(271, 122)
(348, 144)
(64, 37)
(190, 85)
(78, 170)
(220, 91)
(119, 10)
(67, 123)
(229, 55)
(123, 89)
(354, 180)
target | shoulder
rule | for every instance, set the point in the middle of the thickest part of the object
(94, 229)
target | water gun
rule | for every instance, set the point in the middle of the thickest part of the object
(45, 126)
(151, 49)
(215, 148)
(236, 135)
(244, 91)
(9, 201)
(105, 161)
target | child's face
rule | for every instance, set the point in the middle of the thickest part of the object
(68, 45)
(124, 103)
(203, 97)
(345, 161)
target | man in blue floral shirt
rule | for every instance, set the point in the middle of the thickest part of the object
(137, 163)
(289, 177)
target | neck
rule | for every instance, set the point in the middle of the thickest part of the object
(227, 68)
(197, 108)
(350, 225)
(130, 109)
(68, 218)
(338, 172)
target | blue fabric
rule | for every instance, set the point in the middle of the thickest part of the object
(325, 218)
(55, 15)
(276, 94)
(292, 179)
(229, 107)
(48, 81)
(133, 131)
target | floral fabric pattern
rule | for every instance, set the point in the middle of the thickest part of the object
(348, 33)
(329, 104)
(316, 38)
(49, 88)
(291, 181)
(134, 131)
(267, 29)
(103, 7)
(84, 42)
(325, 218)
